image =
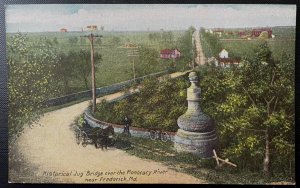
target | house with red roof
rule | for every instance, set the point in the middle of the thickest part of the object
(257, 32)
(170, 54)
(241, 33)
(63, 30)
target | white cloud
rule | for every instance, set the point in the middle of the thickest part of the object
(141, 17)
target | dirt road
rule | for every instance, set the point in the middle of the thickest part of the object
(53, 155)
(199, 58)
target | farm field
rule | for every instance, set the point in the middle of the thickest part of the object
(284, 42)
(115, 66)
(240, 48)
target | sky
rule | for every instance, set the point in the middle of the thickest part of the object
(143, 17)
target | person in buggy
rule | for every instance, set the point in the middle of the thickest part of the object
(127, 124)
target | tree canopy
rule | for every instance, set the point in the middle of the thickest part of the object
(246, 101)
(31, 79)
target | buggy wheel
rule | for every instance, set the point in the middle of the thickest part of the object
(164, 136)
(84, 140)
(84, 144)
(78, 137)
(152, 135)
(115, 139)
(98, 143)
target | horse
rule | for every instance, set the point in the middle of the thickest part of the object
(102, 136)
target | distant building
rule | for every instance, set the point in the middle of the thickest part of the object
(224, 61)
(227, 62)
(218, 32)
(63, 30)
(241, 33)
(223, 54)
(129, 45)
(91, 27)
(257, 32)
(170, 54)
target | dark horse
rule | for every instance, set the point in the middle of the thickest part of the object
(101, 138)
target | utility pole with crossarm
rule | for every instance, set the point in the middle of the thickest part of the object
(91, 38)
(132, 51)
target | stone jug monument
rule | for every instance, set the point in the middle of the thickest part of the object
(196, 133)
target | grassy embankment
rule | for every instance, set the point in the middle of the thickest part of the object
(183, 162)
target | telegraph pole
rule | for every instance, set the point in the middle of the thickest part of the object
(91, 38)
(132, 53)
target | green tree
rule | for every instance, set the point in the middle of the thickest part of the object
(154, 36)
(167, 36)
(73, 40)
(75, 67)
(83, 68)
(115, 41)
(31, 80)
(255, 103)
(211, 44)
(83, 41)
(55, 41)
(185, 46)
(17, 44)
(147, 62)
(66, 69)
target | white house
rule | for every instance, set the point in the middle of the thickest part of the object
(224, 61)
(223, 54)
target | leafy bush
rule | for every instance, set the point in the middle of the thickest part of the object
(156, 106)
(79, 121)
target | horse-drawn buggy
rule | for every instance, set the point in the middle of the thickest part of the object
(99, 136)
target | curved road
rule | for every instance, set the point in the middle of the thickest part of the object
(51, 148)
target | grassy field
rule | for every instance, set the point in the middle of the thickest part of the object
(284, 42)
(281, 32)
(241, 48)
(115, 66)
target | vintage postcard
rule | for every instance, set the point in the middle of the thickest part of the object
(151, 93)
